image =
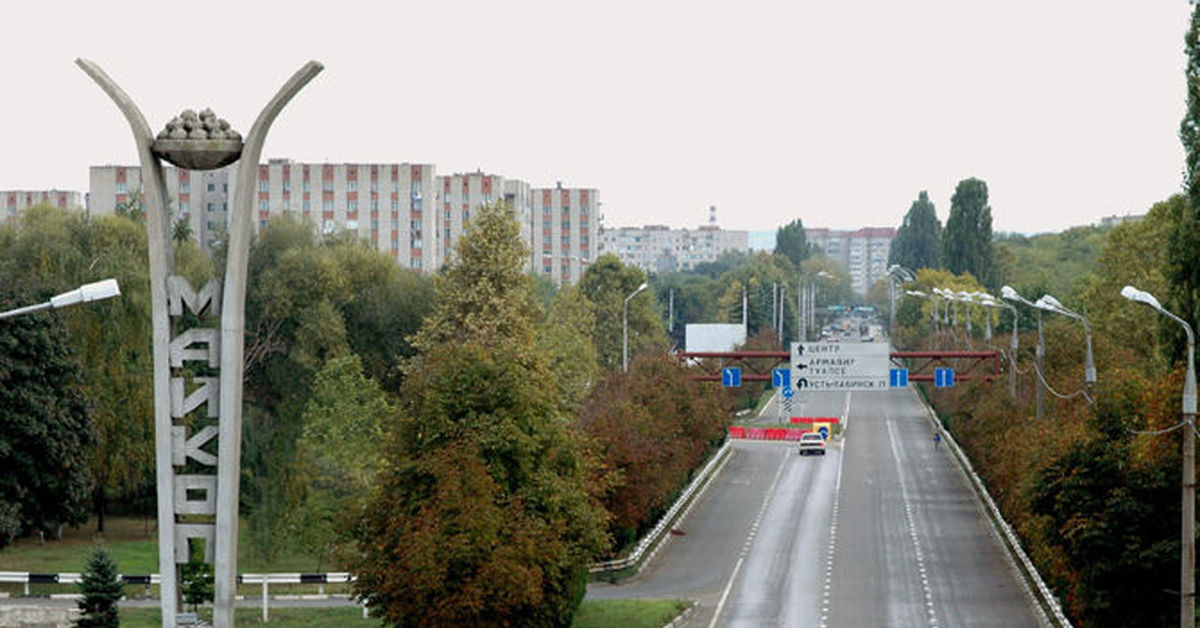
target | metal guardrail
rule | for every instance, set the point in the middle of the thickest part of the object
(657, 533)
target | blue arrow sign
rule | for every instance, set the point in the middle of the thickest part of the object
(898, 378)
(781, 378)
(943, 377)
(788, 392)
(731, 377)
(824, 432)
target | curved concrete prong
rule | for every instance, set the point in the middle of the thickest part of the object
(241, 227)
(161, 262)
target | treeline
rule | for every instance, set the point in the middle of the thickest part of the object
(1092, 487)
(467, 443)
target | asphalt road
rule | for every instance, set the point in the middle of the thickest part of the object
(882, 531)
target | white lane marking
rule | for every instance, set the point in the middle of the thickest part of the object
(912, 525)
(724, 596)
(832, 546)
(846, 413)
(750, 539)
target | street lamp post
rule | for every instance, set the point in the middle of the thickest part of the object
(625, 328)
(1051, 304)
(84, 294)
(1187, 568)
(990, 301)
(1007, 292)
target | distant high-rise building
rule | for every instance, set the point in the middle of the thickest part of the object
(564, 231)
(660, 249)
(405, 210)
(863, 253)
(17, 201)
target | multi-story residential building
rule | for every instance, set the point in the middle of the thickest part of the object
(405, 210)
(462, 193)
(17, 201)
(200, 197)
(863, 253)
(660, 249)
(565, 231)
(382, 203)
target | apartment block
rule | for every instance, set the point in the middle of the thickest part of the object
(200, 197)
(405, 210)
(17, 201)
(863, 253)
(565, 231)
(660, 249)
(461, 193)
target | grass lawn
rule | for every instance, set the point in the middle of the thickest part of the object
(133, 544)
(593, 614)
(628, 613)
(304, 617)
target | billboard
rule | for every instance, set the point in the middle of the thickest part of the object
(714, 337)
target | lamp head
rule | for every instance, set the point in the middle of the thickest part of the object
(1140, 296)
(1007, 292)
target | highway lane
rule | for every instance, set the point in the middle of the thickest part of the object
(892, 538)
(913, 547)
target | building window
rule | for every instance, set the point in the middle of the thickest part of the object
(374, 204)
(184, 208)
(327, 185)
(122, 188)
(374, 186)
(466, 215)
(416, 203)
(225, 188)
(185, 186)
(212, 207)
(415, 262)
(307, 205)
(352, 186)
(287, 186)
(264, 186)
(287, 205)
(263, 206)
(306, 186)
(212, 187)
(327, 205)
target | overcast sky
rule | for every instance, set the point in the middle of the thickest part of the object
(837, 113)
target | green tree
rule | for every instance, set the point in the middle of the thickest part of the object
(196, 577)
(1183, 250)
(340, 452)
(792, 242)
(607, 283)
(967, 241)
(918, 241)
(1133, 254)
(47, 431)
(566, 339)
(101, 591)
(481, 513)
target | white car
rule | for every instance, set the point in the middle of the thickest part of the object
(812, 443)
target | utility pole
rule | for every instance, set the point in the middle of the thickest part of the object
(1040, 355)
(671, 312)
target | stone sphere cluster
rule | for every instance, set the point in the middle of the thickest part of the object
(203, 126)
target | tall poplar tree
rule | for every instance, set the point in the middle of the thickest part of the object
(792, 242)
(1183, 251)
(918, 241)
(967, 241)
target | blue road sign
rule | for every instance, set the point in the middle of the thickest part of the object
(731, 377)
(824, 432)
(943, 377)
(781, 378)
(788, 392)
(898, 378)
